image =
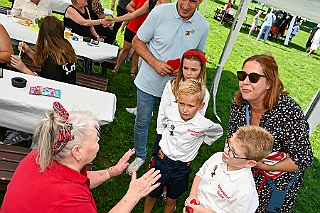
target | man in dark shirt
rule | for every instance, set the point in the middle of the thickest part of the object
(284, 25)
(280, 18)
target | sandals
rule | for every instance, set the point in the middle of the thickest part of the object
(133, 75)
(115, 70)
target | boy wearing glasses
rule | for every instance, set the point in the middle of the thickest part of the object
(225, 183)
(183, 131)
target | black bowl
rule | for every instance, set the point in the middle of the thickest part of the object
(18, 82)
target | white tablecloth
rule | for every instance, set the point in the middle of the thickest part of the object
(22, 112)
(60, 6)
(18, 32)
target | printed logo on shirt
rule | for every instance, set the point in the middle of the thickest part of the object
(69, 67)
(193, 133)
(221, 193)
(189, 32)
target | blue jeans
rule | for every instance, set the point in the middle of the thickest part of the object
(266, 30)
(145, 105)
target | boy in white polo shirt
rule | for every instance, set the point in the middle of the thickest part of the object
(183, 131)
(225, 183)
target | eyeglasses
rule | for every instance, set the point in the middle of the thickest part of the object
(253, 77)
(233, 155)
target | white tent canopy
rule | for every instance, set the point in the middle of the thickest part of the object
(309, 9)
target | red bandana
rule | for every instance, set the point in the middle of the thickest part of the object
(64, 135)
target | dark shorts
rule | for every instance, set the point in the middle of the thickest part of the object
(174, 175)
(128, 35)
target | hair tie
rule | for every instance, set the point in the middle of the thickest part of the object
(195, 53)
(64, 134)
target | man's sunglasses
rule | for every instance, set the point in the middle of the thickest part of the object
(253, 77)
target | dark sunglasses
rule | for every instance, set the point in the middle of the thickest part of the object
(253, 77)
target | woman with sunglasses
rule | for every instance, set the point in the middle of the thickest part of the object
(262, 101)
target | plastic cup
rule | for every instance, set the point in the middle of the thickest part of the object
(17, 56)
(9, 15)
(67, 33)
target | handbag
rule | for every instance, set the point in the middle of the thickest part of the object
(277, 196)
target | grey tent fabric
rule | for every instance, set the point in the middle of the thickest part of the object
(309, 9)
(313, 111)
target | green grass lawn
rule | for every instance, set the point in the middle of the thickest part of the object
(299, 73)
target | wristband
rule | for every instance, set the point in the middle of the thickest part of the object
(97, 36)
(100, 21)
(110, 172)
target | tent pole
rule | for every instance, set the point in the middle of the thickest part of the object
(233, 33)
(227, 42)
(211, 8)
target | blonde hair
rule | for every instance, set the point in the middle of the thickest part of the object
(47, 130)
(256, 141)
(202, 76)
(192, 87)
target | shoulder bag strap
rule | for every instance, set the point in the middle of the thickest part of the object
(247, 114)
(292, 181)
(273, 186)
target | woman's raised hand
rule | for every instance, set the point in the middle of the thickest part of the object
(123, 162)
(143, 186)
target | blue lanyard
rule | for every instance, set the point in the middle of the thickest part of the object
(247, 114)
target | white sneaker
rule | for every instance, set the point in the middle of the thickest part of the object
(135, 165)
(132, 110)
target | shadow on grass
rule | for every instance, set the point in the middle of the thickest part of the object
(296, 46)
(307, 199)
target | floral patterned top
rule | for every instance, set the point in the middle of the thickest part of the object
(287, 123)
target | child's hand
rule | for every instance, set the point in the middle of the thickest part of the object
(192, 200)
(197, 208)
